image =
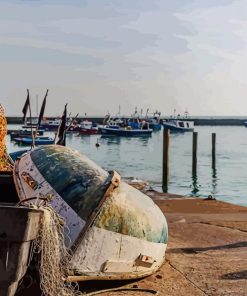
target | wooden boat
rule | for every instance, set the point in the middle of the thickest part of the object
(88, 128)
(42, 140)
(18, 228)
(105, 216)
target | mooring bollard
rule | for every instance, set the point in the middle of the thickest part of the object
(194, 153)
(213, 150)
(165, 167)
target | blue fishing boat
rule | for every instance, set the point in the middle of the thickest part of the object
(126, 132)
(155, 122)
(37, 141)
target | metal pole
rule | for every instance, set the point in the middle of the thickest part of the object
(194, 153)
(165, 168)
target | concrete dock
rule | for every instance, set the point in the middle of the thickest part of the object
(207, 249)
(206, 255)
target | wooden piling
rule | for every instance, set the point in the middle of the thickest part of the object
(165, 167)
(213, 150)
(194, 153)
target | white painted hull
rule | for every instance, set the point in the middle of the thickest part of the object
(115, 231)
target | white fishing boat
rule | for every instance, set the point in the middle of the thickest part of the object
(178, 123)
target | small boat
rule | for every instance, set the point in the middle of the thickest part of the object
(32, 122)
(42, 140)
(24, 133)
(99, 209)
(153, 119)
(50, 125)
(176, 125)
(88, 128)
(125, 131)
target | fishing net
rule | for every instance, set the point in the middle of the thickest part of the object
(54, 257)
(5, 160)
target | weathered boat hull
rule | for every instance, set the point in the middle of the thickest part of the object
(105, 216)
(18, 228)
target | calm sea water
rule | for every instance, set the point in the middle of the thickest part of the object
(142, 158)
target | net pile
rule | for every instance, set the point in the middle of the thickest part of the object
(55, 259)
(5, 161)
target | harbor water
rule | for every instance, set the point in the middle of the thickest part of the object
(141, 158)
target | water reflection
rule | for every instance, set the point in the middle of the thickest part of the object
(109, 140)
(194, 186)
(214, 181)
(144, 140)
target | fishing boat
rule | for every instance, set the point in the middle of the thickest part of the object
(40, 140)
(24, 133)
(154, 121)
(125, 131)
(100, 210)
(176, 125)
(50, 125)
(88, 128)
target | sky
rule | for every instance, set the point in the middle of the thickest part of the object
(97, 55)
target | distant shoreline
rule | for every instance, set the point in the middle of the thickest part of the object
(203, 120)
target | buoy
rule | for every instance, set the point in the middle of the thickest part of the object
(97, 144)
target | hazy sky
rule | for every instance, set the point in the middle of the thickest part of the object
(97, 54)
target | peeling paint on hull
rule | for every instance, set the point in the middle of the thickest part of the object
(105, 216)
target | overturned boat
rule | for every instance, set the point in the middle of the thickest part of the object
(115, 231)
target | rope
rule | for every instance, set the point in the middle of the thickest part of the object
(123, 289)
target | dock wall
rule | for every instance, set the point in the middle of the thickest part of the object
(197, 121)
